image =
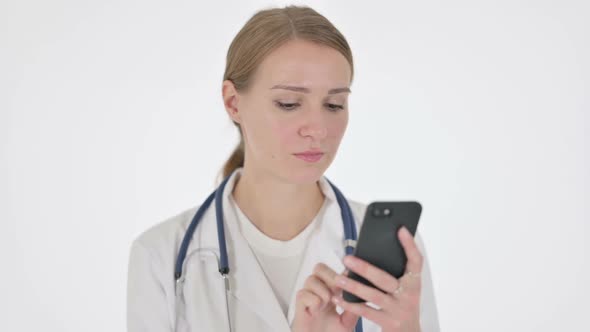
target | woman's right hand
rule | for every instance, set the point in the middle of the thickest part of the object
(314, 310)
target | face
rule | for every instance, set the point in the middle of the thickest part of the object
(297, 103)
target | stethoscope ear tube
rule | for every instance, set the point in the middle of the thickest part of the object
(189, 234)
(224, 264)
(350, 235)
(348, 220)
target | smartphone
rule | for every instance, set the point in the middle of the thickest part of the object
(378, 242)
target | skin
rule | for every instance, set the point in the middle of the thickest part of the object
(316, 302)
(280, 193)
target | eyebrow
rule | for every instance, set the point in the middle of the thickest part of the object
(306, 90)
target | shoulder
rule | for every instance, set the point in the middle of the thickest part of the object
(163, 239)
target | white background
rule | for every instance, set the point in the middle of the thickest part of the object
(111, 120)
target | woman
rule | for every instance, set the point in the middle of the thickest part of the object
(285, 88)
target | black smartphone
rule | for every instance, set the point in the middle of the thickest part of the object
(378, 242)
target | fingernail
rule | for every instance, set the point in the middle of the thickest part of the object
(405, 232)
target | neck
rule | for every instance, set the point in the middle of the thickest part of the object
(278, 209)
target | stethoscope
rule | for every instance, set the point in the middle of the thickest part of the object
(350, 237)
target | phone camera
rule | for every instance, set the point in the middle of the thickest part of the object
(377, 212)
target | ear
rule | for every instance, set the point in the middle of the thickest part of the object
(230, 100)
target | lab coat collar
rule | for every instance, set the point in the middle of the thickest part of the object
(205, 236)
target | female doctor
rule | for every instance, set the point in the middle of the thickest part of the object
(265, 252)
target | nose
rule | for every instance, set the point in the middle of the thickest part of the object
(314, 125)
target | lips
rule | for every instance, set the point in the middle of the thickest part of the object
(310, 156)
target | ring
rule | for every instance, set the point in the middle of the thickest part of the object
(413, 274)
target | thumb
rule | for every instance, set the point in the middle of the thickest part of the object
(306, 303)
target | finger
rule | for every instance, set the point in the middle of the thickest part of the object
(375, 275)
(415, 259)
(319, 288)
(327, 275)
(361, 309)
(308, 302)
(348, 319)
(363, 291)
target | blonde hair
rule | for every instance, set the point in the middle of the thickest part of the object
(265, 31)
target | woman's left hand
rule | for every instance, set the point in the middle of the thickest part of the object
(399, 300)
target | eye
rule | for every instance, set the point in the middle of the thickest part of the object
(335, 108)
(287, 106)
(292, 106)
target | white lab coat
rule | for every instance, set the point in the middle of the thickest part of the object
(252, 303)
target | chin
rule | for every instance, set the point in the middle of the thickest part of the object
(303, 173)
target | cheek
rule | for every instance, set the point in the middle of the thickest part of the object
(286, 136)
(272, 135)
(337, 127)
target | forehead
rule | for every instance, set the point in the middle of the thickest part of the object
(305, 64)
